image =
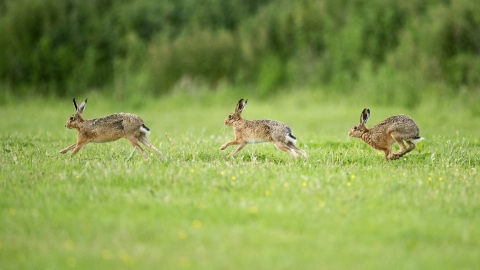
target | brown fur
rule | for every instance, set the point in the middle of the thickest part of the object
(251, 131)
(398, 128)
(108, 128)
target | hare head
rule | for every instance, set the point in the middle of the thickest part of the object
(75, 119)
(237, 115)
(360, 129)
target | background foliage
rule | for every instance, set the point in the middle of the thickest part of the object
(392, 51)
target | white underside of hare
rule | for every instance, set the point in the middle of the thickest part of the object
(252, 141)
(105, 140)
(255, 140)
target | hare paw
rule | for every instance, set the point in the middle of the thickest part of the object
(393, 156)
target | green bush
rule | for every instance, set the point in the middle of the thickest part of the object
(57, 43)
(67, 46)
(211, 56)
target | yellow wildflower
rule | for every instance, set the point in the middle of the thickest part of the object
(197, 224)
(182, 234)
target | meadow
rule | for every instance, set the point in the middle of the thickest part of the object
(343, 208)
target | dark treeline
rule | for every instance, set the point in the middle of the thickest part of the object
(66, 46)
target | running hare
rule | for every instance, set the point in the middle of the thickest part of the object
(396, 128)
(108, 128)
(256, 131)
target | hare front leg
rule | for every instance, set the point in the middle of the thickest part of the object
(78, 146)
(82, 140)
(63, 151)
(227, 144)
(240, 147)
(234, 142)
(388, 153)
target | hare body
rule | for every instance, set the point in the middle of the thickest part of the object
(258, 131)
(398, 128)
(108, 128)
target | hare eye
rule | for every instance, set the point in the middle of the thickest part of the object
(355, 127)
(229, 116)
(71, 118)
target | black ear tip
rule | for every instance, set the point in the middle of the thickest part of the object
(86, 100)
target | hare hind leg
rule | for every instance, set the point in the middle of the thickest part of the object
(143, 139)
(284, 147)
(403, 149)
(296, 149)
(396, 155)
(411, 146)
(134, 141)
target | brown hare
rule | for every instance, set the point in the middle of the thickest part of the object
(108, 128)
(257, 131)
(396, 128)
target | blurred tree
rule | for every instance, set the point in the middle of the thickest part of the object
(66, 46)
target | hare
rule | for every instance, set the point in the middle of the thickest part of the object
(108, 128)
(396, 128)
(257, 131)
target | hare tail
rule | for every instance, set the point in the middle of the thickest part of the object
(417, 140)
(144, 129)
(291, 138)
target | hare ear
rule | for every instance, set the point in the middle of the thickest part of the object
(82, 106)
(241, 105)
(75, 103)
(364, 116)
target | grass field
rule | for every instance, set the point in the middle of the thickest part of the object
(343, 208)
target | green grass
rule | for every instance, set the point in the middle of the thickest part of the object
(343, 208)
